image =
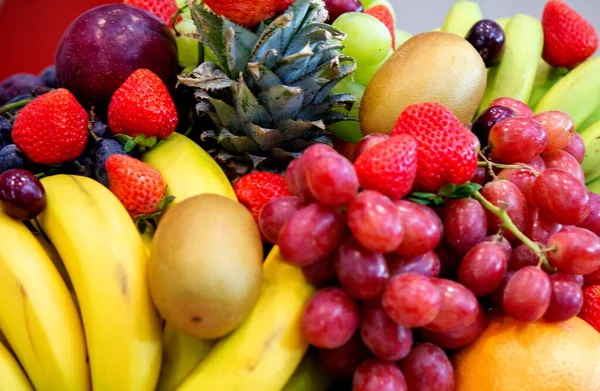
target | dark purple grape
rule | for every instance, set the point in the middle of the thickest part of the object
(5, 132)
(104, 45)
(101, 152)
(338, 7)
(11, 157)
(18, 84)
(490, 117)
(100, 129)
(48, 76)
(487, 37)
(22, 195)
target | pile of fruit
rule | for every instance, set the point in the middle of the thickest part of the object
(429, 206)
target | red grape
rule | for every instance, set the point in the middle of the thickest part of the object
(576, 278)
(559, 127)
(275, 214)
(562, 160)
(503, 243)
(576, 147)
(480, 176)
(330, 318)
(336, 8)
(311, 233)
(567, 298)
(490, 117)
(375, 222)
(362, 273)
(538, 228)
(522, 256)
(592, 221)
(22, 195)
(459, 307)
(517, 139)
(427, 368)
(575, 251)
(378, 375)
(332, 179)
(459, 338)
(527, 294)
(423, 228)
(386, 339)
(291, 174)
(497, 296)
(524, 178)
(465, 224)
(519, 108)
(321, 272)
(505, 195)
(483, 268)
(411, 300)
(301, 180)
(561, 197)
(427, 264)
(340, 363)
(369, 142)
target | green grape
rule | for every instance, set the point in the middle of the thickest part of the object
(209, 56)
(368, 40)
(364, 73)
(186, 13)
(372, 3)
(401, 37)
(189, 48)
(348, 130)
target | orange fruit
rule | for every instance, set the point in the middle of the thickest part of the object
(516, 356)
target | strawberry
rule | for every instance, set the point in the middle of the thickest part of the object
(446, 150)
(384, 14)
(389, 167)
(254, 190)
(282, 5)
(590, 312)
(51, 129)
(164, 9)
(138, 186)
(569, 39)
(142, 105)
(247, 13)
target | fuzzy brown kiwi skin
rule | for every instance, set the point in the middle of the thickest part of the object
(429, 67)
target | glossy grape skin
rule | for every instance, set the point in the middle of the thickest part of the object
(340, 363)
(311, 233)
(505, 195)
(497, 297)
(517, 139)
(538, 228)
(275, 214)
(575, 251)
(567, 298)
(378, 375)
(427, 264)
(564, 161)
(480, 176)
(487, 119)
(520, 109)
(386, 339)
(427, 368)
(411, 300)
(423, 229)
(362, 273)
(483, 268)
(522, 256)
(527, 294)
(524, 178)
(561, 197)
(22, 195)
(367, 39)
(592, 221)
(335, 8)
(459, 307)
(321, 272)
(369, 142)
(104, 45)
(332, 179)
(559, 128)
(576, 148)
(375, 221)
(457, 339)
(487, 37)
(465, 224)
(503, 243)
(291, 173)
(330, 318)
(297, 173)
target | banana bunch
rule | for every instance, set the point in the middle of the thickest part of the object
(591, 161)
(461, 17)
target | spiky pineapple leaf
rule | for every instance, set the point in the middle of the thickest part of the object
(266, 138)
(318, 111)
(324, 52)
(293, 67)
(315, 32)
(269, 43)
(344, 66)
(262, 77)
(333, 117)
(297, 14)
(210, 31)
(228, 116)
(319, 83)
(237, 145)
(295, 129)
(207, 76)
(239, 43)
(282, 101)
(249, 109)
(317, 13)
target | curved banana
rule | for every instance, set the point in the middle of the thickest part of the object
(12, 377)
(503, 22)
(515, 74)
(263, 353)
(577, 94)
(461, 17)
(106, 260)
(591, 160)
(308, 377)
(546, 77)
(37, 314)
(592, 119)
(594, 186)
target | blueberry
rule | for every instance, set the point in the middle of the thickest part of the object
(102, 151)
(81, 166)
(100, 129)
(48, 76)
(19, 84)
(5, 131)
(11, 157)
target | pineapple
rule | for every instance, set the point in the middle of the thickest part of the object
(268, 93)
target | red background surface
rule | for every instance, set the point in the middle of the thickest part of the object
(30, 31)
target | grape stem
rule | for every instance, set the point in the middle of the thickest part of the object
(489, 164)
(508, 224)
(15, 105)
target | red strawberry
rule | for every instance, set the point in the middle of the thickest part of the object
(247, 13)
(569, 39)
(256, 189)
(142, 105)
(138, 186)
(51, 129)
(389, 167)
(590, 312)
(282, 5)
(384, 14)
(164, 9)
(446, 149)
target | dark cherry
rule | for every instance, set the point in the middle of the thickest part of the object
(490, 117)
(338, 7)
(487, 37)
(22, 195)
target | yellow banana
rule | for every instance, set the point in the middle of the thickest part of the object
(591, 160)
(37, 314)
(592, 119)
(308, 377)
(594, 186)
(503, 22)
(106, 260)
(12, 377)
(263, 353)
(461, 17)
(181, 355)
(545, 78)
(577, 94)
(515, 74)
